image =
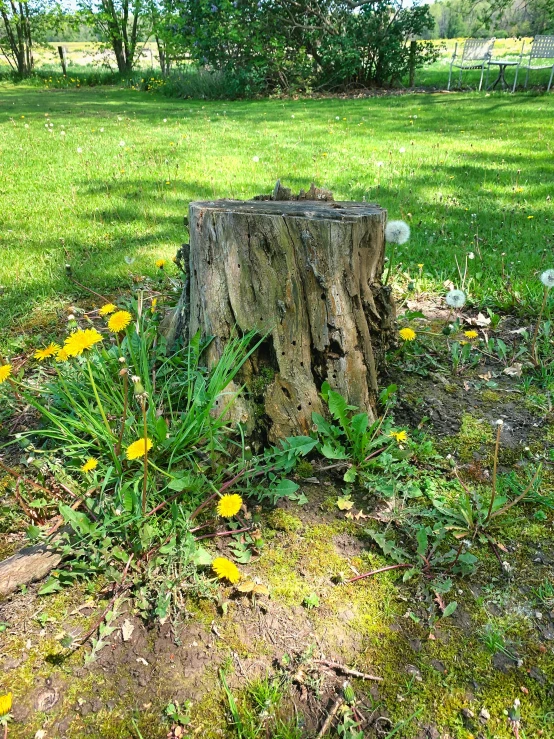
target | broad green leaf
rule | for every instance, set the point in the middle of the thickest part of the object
(449, 610)
(350, 474)
(333, 452)
(201, 557)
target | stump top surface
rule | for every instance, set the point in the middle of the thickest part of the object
(310, 209)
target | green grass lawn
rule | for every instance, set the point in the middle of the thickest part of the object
(452, 165)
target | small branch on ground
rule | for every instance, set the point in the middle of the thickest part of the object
(346, 670)
(376, 572)
(117, 591)
(329, 720)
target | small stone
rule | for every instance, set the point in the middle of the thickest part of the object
(439, 666)
(47, 699)
(412, 670)
(467, 713)
(484, 715)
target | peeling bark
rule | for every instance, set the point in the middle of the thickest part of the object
(28, 565)
(306, 273)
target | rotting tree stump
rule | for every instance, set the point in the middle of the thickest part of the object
(307, 275)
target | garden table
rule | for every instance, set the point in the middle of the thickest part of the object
(501, 64)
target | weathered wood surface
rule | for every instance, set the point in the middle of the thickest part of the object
(28, 565)
(307, 274)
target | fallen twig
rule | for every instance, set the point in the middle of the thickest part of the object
(346, 670)
(28, 512)
(376, 572)
(223, 533)
(329, 720)
(117, 591)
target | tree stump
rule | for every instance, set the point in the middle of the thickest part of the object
(305, 273)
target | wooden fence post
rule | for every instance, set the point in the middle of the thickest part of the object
(411, 62)
(62, 52)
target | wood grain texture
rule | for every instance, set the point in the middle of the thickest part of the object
(28, 565)
(307, 274)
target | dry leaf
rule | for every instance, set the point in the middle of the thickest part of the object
(481, 320)
(448, 284)
(515, 370)
(127, 629)
(246, 587)
(261, 590)
(487, 376)
(343, 504)
(142, 660)
(361, 514)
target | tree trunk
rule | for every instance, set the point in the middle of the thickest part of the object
(306, 274)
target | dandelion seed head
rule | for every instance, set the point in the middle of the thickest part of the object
(547, 278)
(397, 232)
(456, 298)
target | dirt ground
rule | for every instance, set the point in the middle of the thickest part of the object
(440, 670)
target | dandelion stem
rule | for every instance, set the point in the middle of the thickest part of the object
(537, 326)
(376, 572)
(124, 415)
(390, 264)
(494, 470)
(145, 477)
(99, 403)
(519, 497)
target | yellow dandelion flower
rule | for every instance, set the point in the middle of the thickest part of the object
(5, 704)
(154, 304)
(89, 465)
(399, 435)
(229, 505)
(471, 334)
(105, 310)
(5, 372)
(49, 351)
(136, 449)
(420, 266)
(62, 356)
(226, 570)
(407, 334)
(160, 264)
(119, 321)
(79, 341)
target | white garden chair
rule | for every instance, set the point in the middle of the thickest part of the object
(541, 48)
(476, 54)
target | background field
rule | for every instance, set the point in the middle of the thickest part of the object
(455, 166)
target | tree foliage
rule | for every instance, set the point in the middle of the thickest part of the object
(459, 18)
(307, 43)
(25, 23)
(123, 25)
